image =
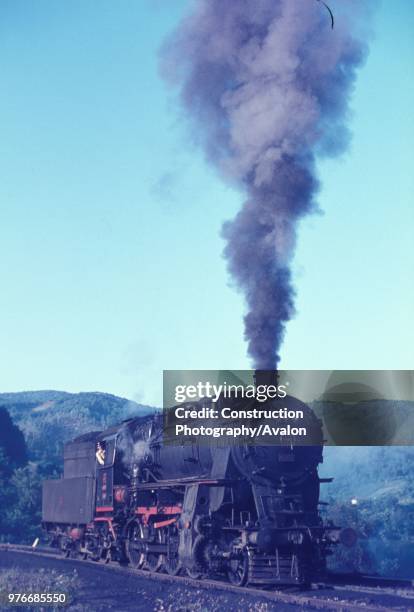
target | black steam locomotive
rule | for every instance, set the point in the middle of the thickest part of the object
(246, 512)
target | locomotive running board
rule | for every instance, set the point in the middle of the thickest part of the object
(165, 484)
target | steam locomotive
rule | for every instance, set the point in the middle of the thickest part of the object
(240, 511)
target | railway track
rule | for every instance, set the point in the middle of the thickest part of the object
(338, 592)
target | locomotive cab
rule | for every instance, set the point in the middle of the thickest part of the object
(105, 459)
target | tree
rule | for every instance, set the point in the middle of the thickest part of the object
(12, 444)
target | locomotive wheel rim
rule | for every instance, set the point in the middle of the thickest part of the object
(198, 570)
(195, 573)
(153, 561)
(238, 570)
(172, 565)
(135, 554)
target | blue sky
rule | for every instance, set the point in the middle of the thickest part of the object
(110, 250)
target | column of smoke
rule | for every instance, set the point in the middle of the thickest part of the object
(266, 86)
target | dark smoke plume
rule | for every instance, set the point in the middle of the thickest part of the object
(266, 85)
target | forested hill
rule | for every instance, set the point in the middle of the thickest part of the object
(50, 418)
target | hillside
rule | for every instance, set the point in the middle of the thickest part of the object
(50, 418)
(372, 492)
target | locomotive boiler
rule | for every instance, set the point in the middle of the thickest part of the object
(242, 511)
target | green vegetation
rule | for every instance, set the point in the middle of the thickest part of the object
(380, 483)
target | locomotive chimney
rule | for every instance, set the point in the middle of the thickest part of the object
(266, 377)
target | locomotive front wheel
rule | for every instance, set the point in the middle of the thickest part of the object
(135, 546)
(238, 569)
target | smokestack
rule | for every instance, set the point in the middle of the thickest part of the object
(266, 377)
(265, 85)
